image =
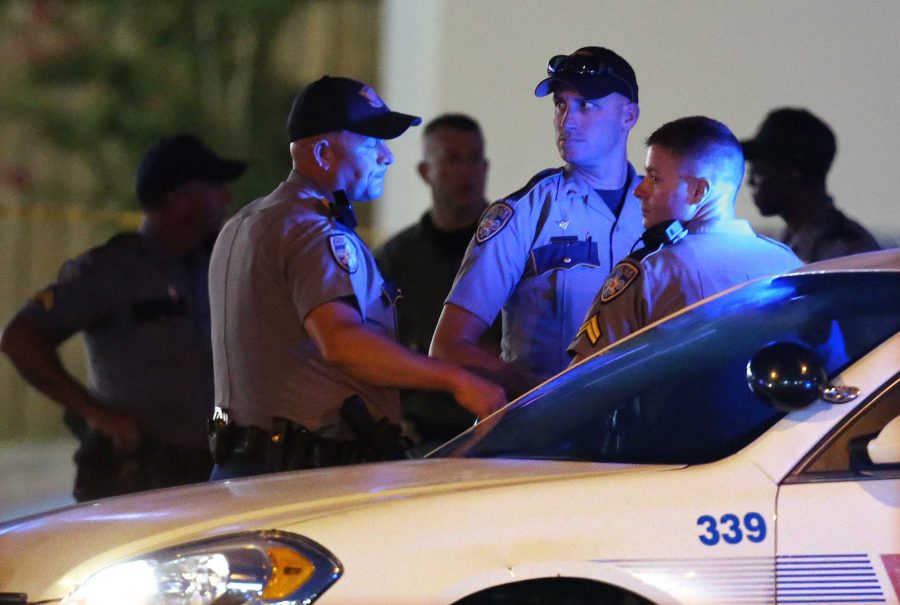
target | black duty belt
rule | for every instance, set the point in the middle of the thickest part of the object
(291, 446)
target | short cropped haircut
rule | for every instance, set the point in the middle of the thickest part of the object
(693, 136)
(702, 139)
(456, 121)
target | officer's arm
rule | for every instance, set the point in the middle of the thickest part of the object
(456, 339)
(34, 354)
(343, 340)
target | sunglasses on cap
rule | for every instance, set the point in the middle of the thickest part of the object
(583, 65)
(586, 65)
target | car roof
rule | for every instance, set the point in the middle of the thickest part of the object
(882, 260)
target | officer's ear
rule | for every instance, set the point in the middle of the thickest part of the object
(422, 169)
(323, 153)
(630, 114)
(697, 190)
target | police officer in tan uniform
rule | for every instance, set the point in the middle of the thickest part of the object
(306, 364)
(694, 246)
(541, 254)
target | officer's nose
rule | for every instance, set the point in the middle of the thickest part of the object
(640, 191)
(753, 178)
(567, 118)
(385, 156)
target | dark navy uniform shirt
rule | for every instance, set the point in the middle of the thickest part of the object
(144, 314)
(828, 235)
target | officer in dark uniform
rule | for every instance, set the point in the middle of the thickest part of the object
(541, 254)
(141, 302)
(694, 246)
(423, 260)
(789, 158)
(304, 338)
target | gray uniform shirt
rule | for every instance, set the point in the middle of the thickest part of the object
(829, 234)
(276, 260)
(541, 254)
(144, 314)
(653, 283)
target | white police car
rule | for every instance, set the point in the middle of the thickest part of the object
(649, 473)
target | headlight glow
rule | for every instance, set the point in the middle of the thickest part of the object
(243, 568)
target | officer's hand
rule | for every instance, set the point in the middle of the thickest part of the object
(120, 428)
(479, 396)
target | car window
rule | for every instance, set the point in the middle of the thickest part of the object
(677, 393)
(832, 459)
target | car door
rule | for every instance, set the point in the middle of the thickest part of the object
(838, 516)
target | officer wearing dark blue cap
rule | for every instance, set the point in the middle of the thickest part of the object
(541, 254)
(141, 302)
(789, 157)
(307, 369)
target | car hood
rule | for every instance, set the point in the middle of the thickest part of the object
(91, 535)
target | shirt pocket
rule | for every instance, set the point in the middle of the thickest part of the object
(158, 309)
(563, 253)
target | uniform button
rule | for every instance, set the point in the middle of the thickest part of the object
(567, 260)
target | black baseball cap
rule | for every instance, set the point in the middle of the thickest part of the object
(334, 104)
(593, 71)
(175, 160)
(795, 137)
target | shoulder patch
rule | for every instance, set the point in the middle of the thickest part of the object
(532, 182)
(494, 219)
(781, 245)
(344, 252)
(618, 281)
(46, 298)
(591, 329)
(70, 272)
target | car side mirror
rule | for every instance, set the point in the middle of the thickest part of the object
(786, 375)
(789, 377)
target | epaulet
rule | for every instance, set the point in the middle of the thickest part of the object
(658, 237)
(639, 255)
(532, 183)
(775, 241)
(74, 268)
(125, 237)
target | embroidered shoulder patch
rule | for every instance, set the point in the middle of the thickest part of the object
(617, 281)
(591, 329)
(344, 252)
(70, 272)
(493, 221)
(46, 298)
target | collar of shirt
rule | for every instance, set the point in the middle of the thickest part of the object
(729, 226)
(303, 187)
(573, 185)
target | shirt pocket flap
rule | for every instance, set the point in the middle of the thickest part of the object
(564, 253)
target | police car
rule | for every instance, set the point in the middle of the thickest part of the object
(745, 450)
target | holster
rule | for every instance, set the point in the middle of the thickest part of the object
(291, 446)
(219, 433)
(381, 439)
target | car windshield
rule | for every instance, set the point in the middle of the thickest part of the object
(677, 393)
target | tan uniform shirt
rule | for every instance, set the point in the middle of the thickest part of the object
(276, 260)
(653, 283)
